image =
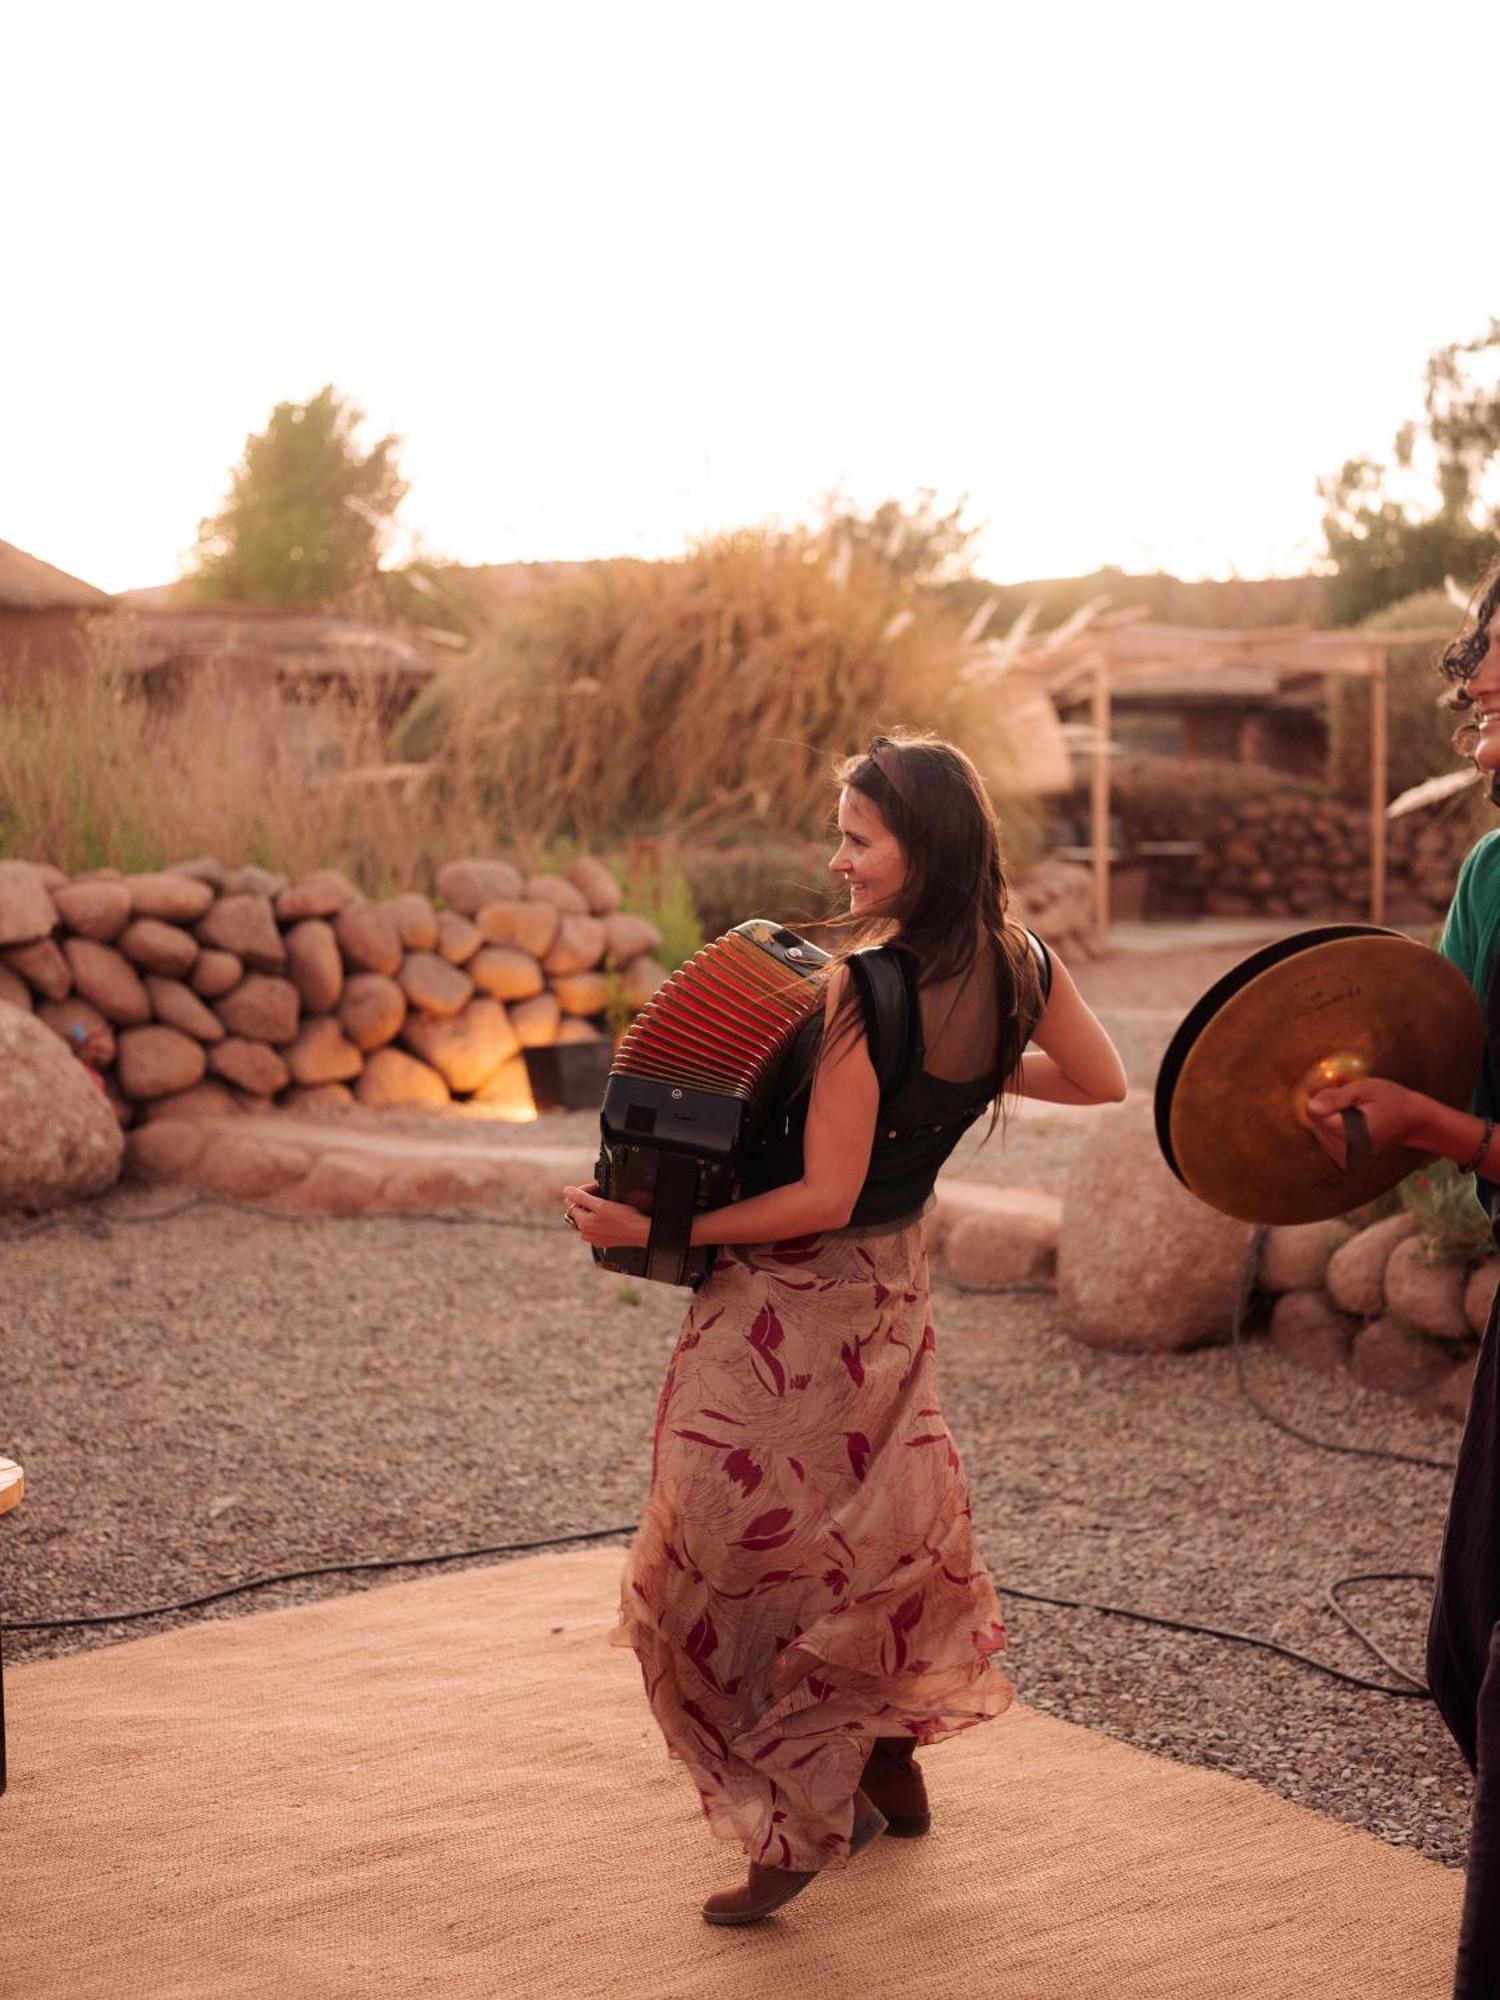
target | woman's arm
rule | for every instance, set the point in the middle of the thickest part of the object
(835, 1159)
(1073, 1060)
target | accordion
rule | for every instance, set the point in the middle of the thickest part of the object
(690, 1084)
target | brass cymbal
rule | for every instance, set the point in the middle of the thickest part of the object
(1320, 1008)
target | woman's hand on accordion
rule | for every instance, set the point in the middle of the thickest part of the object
(606, 1225)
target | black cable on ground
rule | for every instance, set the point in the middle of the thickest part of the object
(1414, 1687)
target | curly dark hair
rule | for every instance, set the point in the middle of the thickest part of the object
(1459, 661)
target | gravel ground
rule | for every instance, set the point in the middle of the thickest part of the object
(219, 1394)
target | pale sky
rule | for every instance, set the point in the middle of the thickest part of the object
(1130, 277)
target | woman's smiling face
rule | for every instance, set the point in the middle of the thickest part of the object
(869, 859)
(1483, 690)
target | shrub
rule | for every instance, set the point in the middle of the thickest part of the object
(1453, 1226)
(1420, 727)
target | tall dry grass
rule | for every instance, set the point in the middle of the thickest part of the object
(706, 697)
(93, 775)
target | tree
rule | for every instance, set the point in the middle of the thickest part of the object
(308, 514)
(1383, 544)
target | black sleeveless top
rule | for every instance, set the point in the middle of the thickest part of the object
(920, 1121)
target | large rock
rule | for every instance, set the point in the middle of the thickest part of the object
(323, 1053)
(1449, 1395)
(391, 1078)
(1356, 1272)
(322, 894)
(598, 886)
(157, 946)
(505, 972)
(559, 891)
(369, 939)
(1309, 1329)
(641, 980)
(1294, 1256)
(252, 1065)
(507, 1094)
(1391, 1356)
(528, 927)
(14, 992)
(466, 886)
(157, 1061)
(1479, 1294)
(253, 881)
(178, 1006)
(202, 868)
(458, 938)
(432, 985)
(314, 966)
(1001, 1237)
(43, 967)
(536, 1020)
(27, 911)
(98, 910)
(416, 921)
(1142, 1266)
(572, 1028)
(581, 992)
(59, 1139)
(467, 1050)
(174, 899)
(372, 1010)
(262, 1008)
(1427, 1295)
(111, 982)
(216, 973)
(578, 946)
(246, 925)
(626, 936)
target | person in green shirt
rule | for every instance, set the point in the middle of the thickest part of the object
(1463, 1640)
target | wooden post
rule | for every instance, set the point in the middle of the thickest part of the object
(1099, 798)
(1378, 784)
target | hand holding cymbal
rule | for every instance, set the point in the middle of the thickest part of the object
(1353, 1019)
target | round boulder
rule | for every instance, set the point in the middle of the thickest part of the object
(98, 910)
(560, 892)
(1356, 1271)
(432, 985)
(416, 921)
(322, 894)
(111, 982)
(466, 886)
(581, 992)
(505, 972)
(1143, 1266)
(643, 977)
(323, 1053)
(27, 910)
(372, 1010)
(368, 938)
(597, 885)
(314, 966)
(158, 946)
(252, 1065)
(1309, 1329)
(178, 1006)
(528, 927)
(59, 1139)
(1428, 1296)
(216, 973)
(391, 1079)
(535, 1020)
(578, 946)
(262, 1008)
(458, 938)
(467, 1050)
(173, 899)
(626, 936)
(43, 967)
(246, 925)
(1395, 1358)
(14, 992)
(1479, 1293)
(156, 1062)
(1294, 1256)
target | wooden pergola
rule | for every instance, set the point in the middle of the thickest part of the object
(1099, 654)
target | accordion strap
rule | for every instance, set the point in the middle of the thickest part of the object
(886, 1002)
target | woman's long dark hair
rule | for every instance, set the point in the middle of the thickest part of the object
(954, 900)
(1460, 658)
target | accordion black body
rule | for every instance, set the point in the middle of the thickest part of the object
(690, 1085)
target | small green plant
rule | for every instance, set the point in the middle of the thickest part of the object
(628, 1292)
(1449, 1218)
(656, 887)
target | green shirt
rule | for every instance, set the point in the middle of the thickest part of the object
(1471, 932)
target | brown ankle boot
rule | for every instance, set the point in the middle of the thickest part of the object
(766, 1889)
(893, 1782)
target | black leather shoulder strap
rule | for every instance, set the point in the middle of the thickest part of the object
(885, 1000)
(1043, 959)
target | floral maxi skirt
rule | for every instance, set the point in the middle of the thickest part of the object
(804, 1577)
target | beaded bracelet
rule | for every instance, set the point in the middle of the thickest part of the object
(1472, 1166)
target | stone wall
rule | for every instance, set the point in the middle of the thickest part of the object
(199, 987)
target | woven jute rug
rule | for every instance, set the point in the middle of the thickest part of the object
(453, 1787)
